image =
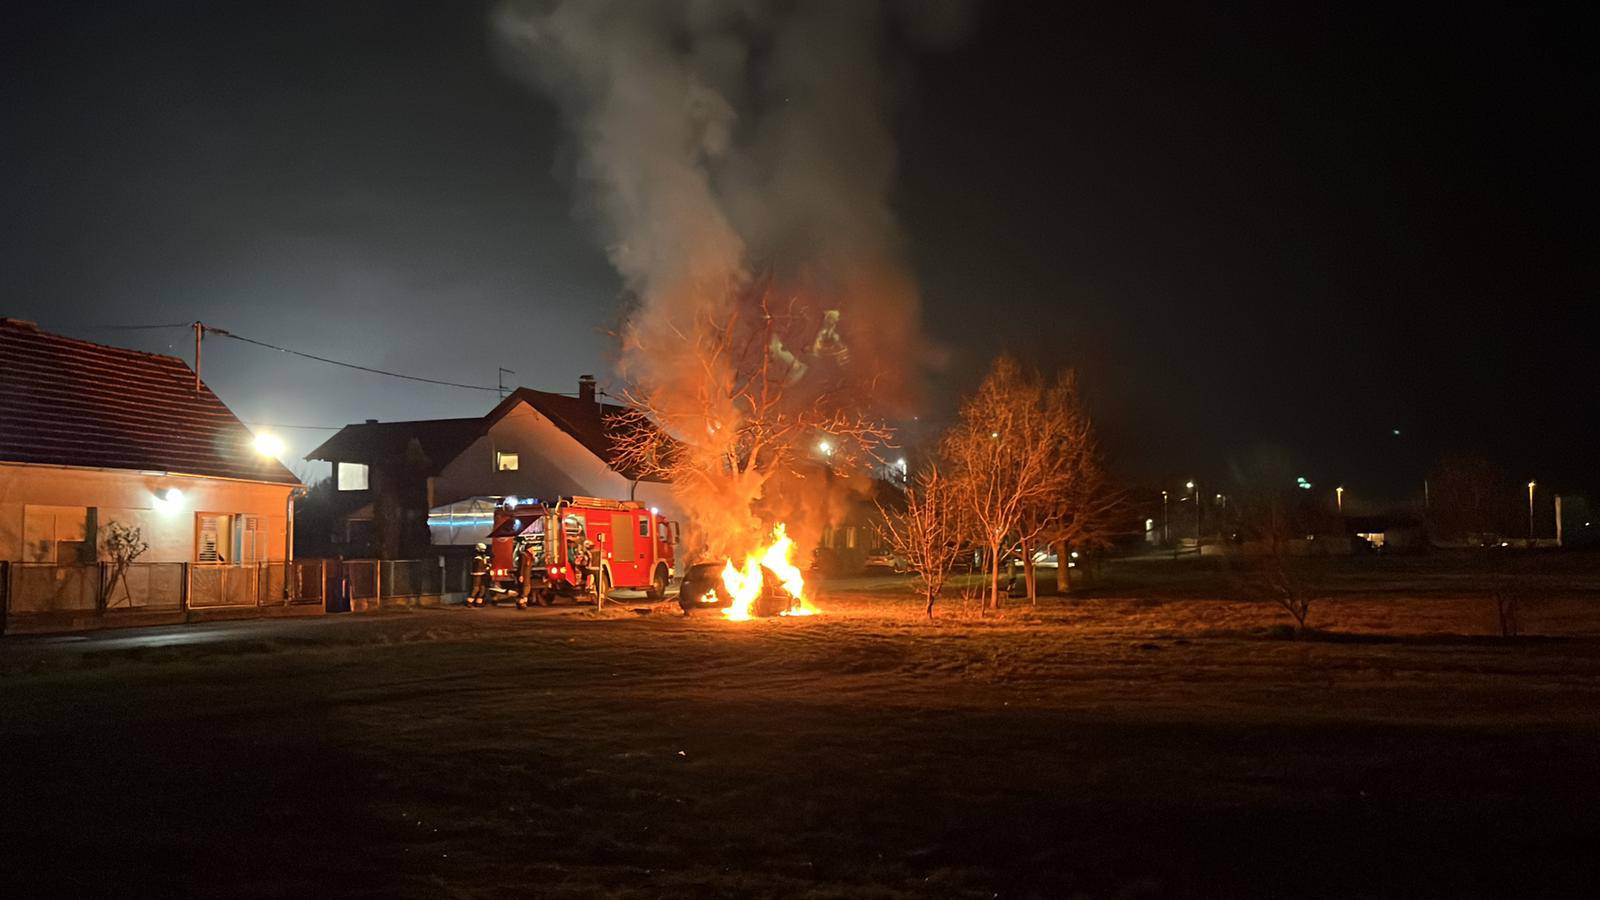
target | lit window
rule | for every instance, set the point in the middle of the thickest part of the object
(352, 476)
(505, 462)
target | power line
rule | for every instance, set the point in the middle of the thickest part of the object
(281, 425)
(136, 327)
(212, 329)
(334, 362)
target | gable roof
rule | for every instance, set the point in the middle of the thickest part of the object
(68, 402)
(591, 424)
(441, 440)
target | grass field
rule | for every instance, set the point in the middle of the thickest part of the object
(1155, 740)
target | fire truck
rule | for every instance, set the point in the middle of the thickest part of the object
(629, 547)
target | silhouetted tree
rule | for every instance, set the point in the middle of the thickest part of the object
(1470, 499)
(1019, 454)
(928, 535)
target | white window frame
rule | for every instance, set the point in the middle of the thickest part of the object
(345, 473)
(502, 457)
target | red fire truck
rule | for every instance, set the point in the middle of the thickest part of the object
(629, 547)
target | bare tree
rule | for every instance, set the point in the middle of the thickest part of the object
(1082, 510)
(1008, 454)
(755, 387)
(1271, 521)
(928, 534)
(125, 543)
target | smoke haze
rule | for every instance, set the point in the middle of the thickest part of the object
(731, 149)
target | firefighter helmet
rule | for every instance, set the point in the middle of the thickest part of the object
(482, 546)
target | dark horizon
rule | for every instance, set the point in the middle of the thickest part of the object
(1245, 228)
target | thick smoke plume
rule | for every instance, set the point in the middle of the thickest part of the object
(737, 157)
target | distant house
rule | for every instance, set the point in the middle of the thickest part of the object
(389, 478)
(91, 435)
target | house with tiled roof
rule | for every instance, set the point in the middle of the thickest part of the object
(392, 480)
(91, 435)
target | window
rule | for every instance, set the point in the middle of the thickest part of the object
(644, 527)
(56, 534)
(352, 476)
(505, 462)
(249, 544)
(211, 537)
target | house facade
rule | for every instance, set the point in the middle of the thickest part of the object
(92, 435)
(390, 480)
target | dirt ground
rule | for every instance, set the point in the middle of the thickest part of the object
(1128, 743)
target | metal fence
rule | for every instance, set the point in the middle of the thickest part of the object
(34, 589)
(82, 594)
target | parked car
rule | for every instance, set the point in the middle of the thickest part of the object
(885, 559)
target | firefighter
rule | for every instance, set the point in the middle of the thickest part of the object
(580, 564)
(480, 576)
(524, 572)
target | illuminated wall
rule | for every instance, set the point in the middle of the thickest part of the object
(48, 513)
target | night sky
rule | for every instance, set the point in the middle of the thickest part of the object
(1259, 225)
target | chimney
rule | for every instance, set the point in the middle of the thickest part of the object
(372, 421)
(586, 388)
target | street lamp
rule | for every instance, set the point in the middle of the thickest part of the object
(1196, 491)
(1531, 484)
(1338, 494)
(269, 444)
(1164, 538)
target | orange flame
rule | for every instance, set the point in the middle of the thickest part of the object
(746, 584)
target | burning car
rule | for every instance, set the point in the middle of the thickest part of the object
(704, 587)
(769, 584)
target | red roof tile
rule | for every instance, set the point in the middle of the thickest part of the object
(68, 402)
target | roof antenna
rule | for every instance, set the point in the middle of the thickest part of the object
(502, 381)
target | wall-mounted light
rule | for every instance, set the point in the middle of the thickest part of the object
(169, 500)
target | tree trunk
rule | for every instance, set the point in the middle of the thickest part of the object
(1063, 573)
(994, 576)
(1029, 575)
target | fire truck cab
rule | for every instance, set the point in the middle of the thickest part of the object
(629, 546)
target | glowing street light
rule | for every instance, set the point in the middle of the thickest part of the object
(825, 448)
(1338, 494)
(1531, 484)
(269, 444)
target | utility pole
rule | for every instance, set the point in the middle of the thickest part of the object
(199, 332)
(1165, 538)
